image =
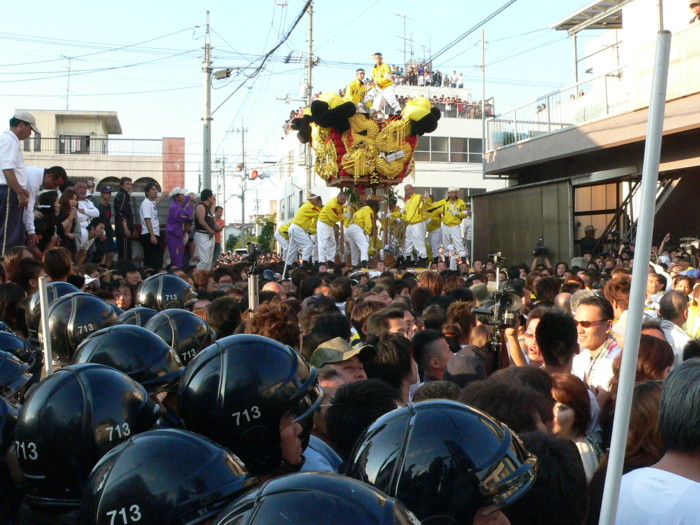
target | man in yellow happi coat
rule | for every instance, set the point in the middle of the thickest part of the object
(358, 233)
(332, 213)
(453, 211)
(302, 223)
(415, 214)
(282, 238)
(381, 77)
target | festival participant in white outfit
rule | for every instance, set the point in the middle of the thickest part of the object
(282, 237)
(358, 233)
(303, 221)
(384, 92)
(453, 211)
(414, 215)
(331, 213)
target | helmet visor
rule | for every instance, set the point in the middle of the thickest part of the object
(512, 476)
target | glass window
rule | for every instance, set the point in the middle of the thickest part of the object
(475, 158)
(439, 147)
(423, 144)
(475, 146)
(458, 149)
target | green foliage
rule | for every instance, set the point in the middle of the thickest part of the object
(231, 242)
(265, 239)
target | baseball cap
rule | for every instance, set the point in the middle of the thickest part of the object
(177, 190)
(106, 189)
(27, 117)
(338, 350)
(589, 228)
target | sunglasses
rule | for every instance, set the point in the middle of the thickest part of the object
(588, 324)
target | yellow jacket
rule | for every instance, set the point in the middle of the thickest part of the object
(306, 216)
(382, 75)
(364, 219)
(434, 215)
(284, 230)
(312, 228)
(415, 211)
(355, 92)
(447, 208)
(332, 212)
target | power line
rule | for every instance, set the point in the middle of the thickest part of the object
(471, 30)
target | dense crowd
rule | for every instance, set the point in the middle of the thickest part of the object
(362, 342)
(265, 389)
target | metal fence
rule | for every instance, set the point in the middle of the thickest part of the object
(86, 145)
(585, 101)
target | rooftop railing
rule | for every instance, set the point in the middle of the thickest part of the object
(585, 101)
(86, 145)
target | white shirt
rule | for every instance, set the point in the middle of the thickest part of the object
(35, 178)
(89, 212)
(149, 210)
(11, 158)
(677, 338)
(650, 496)
(596, 371)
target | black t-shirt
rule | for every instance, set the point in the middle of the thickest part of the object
(208, 219)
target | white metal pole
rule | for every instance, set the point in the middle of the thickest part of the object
(44, 306)
(645, 228)
(206, 135)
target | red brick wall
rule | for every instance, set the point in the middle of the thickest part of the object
(173, 162)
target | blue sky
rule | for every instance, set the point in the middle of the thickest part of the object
(156, 86)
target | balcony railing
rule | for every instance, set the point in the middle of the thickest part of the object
(586, 101)
(619, 91)
(86, 145)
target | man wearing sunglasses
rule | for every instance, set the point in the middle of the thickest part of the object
(695, 8)
(594, 320)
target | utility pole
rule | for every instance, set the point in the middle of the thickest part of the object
(404, 35)
(207, 69)
(242, 130)
(483, 104)
(309, 94)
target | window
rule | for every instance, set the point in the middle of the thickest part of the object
(423, 149)
(449, 149)
(439, 149)
(77, 144)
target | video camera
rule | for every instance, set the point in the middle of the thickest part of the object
(500, 309)
(540, 249)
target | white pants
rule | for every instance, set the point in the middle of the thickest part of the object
(314, 247)
(452, 235)
(359, 245)
(284, 243)
(204, 250)
(299, 240)
(415, 240)
(435, 239)
(385, 95)
(326, 242)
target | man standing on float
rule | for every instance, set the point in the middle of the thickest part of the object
(381, 77)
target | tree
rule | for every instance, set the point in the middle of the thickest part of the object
(267, 232)
(231, 242)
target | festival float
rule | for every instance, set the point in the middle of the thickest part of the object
(364, 153)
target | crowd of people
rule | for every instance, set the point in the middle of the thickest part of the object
(332, 392)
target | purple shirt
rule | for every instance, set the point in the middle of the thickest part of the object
(178, 215)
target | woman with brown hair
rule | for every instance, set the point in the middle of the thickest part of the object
(644, 446)
(617, 291)
(572, 413)
(68, 211)
(654, 361)
(433, 281)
